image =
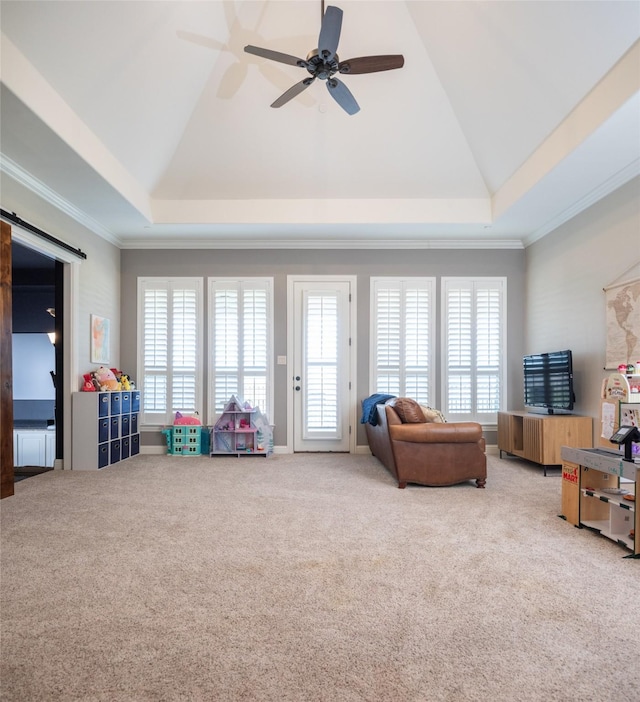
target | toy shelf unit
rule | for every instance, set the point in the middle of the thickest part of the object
(184, 440)
(241, 430)
(598, 492)
(105, 428)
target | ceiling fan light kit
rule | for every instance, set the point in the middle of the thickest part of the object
(323, 63)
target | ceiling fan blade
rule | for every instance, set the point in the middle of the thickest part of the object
(371, 64)
(275, 56)
(292, 92)
(330, 32)
(342, 95)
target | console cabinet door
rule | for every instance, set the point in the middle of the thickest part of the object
(50, 449)
(532, 430)
(504, 432)
(30, 449)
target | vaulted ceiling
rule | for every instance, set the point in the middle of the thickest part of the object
(148, 122)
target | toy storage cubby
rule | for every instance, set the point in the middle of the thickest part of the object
(105, 428)
(241, 431)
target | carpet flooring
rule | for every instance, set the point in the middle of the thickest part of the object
(308, 577)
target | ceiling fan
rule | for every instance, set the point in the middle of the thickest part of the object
(324, 63)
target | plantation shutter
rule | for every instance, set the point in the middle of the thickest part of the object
(473, 342)
(321, 409)
(402, 337)
(170, 363)
(240, 342)
(184, 350)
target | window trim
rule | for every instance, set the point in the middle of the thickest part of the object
(169, 283)
(212, 282)
(430, 283)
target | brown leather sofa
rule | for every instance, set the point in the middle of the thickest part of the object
(427, 453)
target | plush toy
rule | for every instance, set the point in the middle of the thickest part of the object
(88, 385)
(194, 419)
(107, 379)
(124, 380)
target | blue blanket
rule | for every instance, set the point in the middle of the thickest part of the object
(369, 412)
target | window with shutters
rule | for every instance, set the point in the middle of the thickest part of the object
(169, 347)
(402, 335)
(473, 348)
(240, 342)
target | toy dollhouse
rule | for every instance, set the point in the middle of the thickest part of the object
(241, 430)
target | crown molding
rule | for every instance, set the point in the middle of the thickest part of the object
(338, 244)
(10, 168)
(17, 173)
(606, 188)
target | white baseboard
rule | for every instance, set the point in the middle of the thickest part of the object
(153, 450)
(362, 449)
(162, 450)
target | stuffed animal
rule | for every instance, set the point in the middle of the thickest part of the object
(194, 419)
(124, 380)
(107, 379)
(88, 385)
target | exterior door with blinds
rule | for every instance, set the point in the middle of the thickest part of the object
(322, 362)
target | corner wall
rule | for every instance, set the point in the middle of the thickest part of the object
(99, 274)
(96, 291)
(566, 272)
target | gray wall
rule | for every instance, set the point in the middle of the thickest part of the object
(363, 264)
(566, 272)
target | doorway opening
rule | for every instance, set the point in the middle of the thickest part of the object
(37, 355)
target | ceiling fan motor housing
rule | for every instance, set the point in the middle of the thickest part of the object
(320, 67)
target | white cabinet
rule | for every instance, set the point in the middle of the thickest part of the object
(29, 448)
(50, 449)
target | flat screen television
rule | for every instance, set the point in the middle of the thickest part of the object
(548, 381)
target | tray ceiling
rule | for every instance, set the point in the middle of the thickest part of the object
(147, 121)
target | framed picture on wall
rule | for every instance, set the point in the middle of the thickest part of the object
(100, 339)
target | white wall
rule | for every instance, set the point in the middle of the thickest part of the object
(566, 272)
(34, 358)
